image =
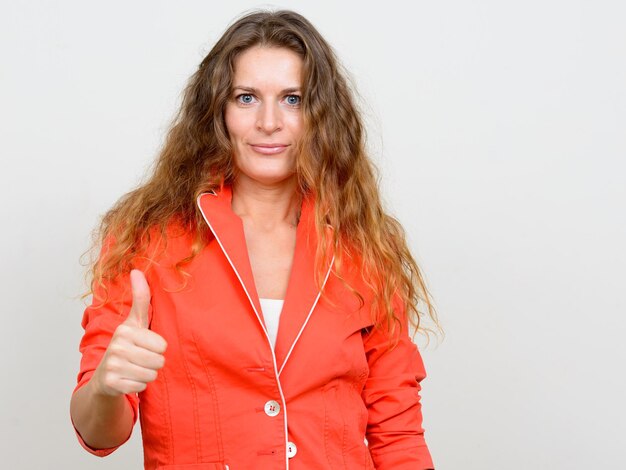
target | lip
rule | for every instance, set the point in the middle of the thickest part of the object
(269, 149)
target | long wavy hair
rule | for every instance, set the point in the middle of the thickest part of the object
(332, 164)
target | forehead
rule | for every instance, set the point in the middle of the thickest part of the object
(262, 66)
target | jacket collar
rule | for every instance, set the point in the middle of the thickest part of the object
(302, 293)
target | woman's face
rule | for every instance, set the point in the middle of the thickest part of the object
(264, 114)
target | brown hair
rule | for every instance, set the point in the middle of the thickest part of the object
(332, 163)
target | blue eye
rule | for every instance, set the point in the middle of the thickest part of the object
(245, 98)
(293, 100)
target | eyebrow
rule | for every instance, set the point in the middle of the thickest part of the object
(254, 90)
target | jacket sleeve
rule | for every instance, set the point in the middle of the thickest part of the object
(394, 430)
(108, 309)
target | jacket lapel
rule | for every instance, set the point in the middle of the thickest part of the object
(227, 228)
(302, 293)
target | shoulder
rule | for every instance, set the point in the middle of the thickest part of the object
(167, 245)
(157, 245)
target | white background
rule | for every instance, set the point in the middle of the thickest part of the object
(499, 128)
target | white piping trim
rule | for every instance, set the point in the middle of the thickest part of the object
(280, 389)
(293, 345)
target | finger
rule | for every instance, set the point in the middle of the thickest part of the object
(145, 358)
(137, 373)
(149, 340)
(130, 386)
(141, 299)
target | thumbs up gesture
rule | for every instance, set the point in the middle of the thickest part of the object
(135, 353)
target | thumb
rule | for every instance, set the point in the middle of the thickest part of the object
(141, 299)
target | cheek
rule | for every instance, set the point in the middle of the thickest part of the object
(235, 123)
(296, 125)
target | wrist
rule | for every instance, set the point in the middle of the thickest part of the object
(98, 391)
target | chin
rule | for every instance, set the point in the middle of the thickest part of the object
(269, 178)
(274, 179)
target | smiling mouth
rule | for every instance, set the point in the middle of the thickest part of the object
(268, 149)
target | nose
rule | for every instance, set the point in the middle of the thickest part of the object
(269, 119)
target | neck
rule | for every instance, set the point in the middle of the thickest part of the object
(266, 206)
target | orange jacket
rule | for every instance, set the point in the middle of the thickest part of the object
(226, 400)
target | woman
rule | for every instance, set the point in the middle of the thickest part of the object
(253, 293)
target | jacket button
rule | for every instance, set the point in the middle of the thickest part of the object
(272, 408)
(292, 450)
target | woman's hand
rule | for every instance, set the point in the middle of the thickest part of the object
(135, 353)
